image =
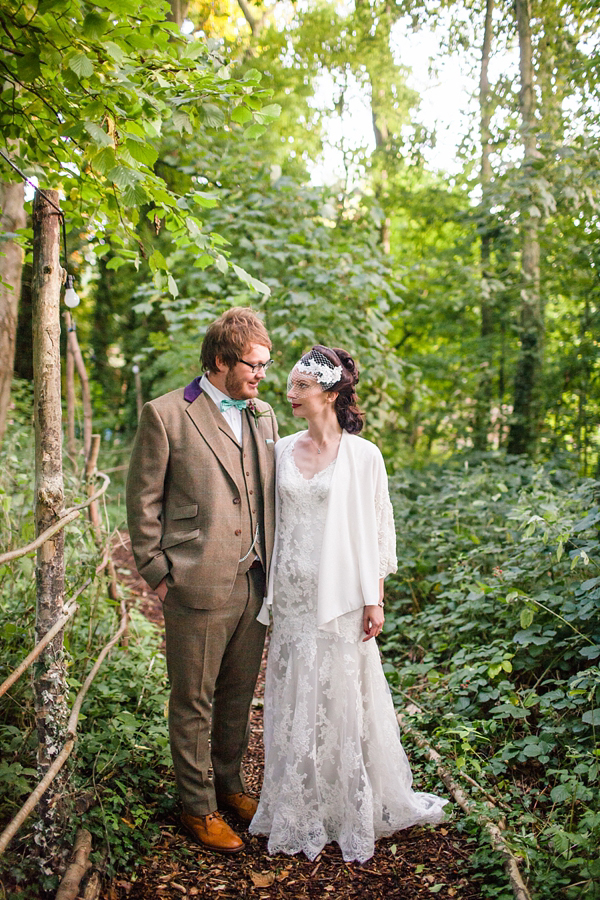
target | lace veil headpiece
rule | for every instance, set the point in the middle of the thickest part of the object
(315, 367)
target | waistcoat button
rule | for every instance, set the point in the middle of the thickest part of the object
(238, 531)
(236, 500)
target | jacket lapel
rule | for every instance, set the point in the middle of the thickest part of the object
(260, 448)
(205, 416)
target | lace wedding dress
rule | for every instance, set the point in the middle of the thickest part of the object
(335, 769)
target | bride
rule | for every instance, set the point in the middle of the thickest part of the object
(335, 769)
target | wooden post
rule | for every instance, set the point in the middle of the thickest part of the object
(139, 399)
(50, 684)
(86, 397)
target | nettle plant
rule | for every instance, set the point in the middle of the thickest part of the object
(493, 615)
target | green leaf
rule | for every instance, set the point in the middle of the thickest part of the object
(142, 153)
(252, 76)
(254, 131)
(526, 617)
(172, 286)
(115, 52)
(248, 279)
(241, 115)
(123, 176)
(591, 717)
(212, 115)
(157, 261)
(81, 65)
(99, 135)
(221, 263)
(94, 25)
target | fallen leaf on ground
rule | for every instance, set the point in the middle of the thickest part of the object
(262, 879)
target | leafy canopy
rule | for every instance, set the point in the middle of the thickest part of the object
(89, 92)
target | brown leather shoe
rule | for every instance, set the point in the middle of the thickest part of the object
(241, 804)
(213, 832)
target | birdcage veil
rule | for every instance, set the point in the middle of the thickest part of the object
(315, 367)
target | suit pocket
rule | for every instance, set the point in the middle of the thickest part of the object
(178, 537)
(183, 512)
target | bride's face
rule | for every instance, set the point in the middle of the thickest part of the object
(306, 396)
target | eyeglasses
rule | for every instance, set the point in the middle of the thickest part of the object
(256, 367)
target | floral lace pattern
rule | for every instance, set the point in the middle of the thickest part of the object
(335, 769)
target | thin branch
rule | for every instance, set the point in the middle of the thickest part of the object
(68, 516)
(499, 844)
(70, 611)
(36, 795)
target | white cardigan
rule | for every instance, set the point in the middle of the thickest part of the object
(359, 540)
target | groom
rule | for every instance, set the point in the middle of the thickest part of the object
(200, 507)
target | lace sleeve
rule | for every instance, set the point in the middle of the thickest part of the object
(386, 531)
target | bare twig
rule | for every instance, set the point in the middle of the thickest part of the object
(70, 611)
(499, 844)
(36, 795)
(68, 516)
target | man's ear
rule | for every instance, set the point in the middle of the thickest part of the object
(221, 366)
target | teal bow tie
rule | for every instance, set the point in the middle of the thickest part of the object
(229, 401)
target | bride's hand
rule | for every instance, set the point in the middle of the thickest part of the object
(373, 620)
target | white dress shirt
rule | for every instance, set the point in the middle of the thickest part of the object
(232, 416)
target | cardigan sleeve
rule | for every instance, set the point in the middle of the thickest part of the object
(386, 531)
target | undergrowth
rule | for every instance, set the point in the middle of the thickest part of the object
(121, 785)
(492, 629)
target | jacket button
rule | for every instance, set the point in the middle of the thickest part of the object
(250, 492)
(238, 531)
(236, 500)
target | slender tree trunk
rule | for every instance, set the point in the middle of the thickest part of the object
(178, 11)
(12, 199)
(526, 406)
(484, 391)
(50, 685)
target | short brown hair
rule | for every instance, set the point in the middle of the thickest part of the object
(229, 336)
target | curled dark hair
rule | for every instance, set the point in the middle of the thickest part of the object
(349, 416)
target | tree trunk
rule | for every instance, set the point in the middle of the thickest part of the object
(526, 406)
(178, 11)
(481, 424)
(12, 199)
(50, 686)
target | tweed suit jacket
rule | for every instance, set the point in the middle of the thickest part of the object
(183, 507)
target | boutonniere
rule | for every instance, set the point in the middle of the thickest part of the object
(251, 405)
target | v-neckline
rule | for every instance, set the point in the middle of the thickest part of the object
(320, 472)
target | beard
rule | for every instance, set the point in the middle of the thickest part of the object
(237, 387)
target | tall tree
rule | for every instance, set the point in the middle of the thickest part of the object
(12, 198)
(527, 385)
(484, 389)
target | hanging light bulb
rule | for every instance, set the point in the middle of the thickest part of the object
(71, 295)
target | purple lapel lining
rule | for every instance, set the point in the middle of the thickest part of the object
(193, 390)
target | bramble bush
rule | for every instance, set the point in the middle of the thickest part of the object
(492, 626)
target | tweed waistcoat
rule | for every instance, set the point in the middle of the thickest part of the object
(247, 477)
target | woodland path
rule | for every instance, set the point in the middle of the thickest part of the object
(416, 863)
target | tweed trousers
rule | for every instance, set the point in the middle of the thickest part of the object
(213, 659)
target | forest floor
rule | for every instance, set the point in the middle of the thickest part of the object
(416, 863)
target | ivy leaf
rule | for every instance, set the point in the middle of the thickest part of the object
(591, 717)
(81, 65)
(123, 176)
